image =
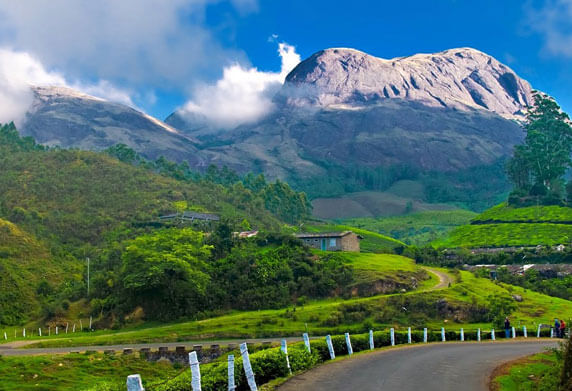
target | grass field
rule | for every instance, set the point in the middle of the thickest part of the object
(372, 242)
(337, 316)
(76, 371)
(527, 374)
(504, 213)
(503, 235)
(416, 228)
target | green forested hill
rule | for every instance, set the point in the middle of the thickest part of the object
(59, 206)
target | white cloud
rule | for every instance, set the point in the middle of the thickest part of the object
(553, 21)
(162, 43)
(19, 71)
(243, 94)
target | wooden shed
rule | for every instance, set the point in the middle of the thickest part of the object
(332, 241)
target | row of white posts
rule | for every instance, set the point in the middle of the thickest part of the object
(134, 381)
(56, 330)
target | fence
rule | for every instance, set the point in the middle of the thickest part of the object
(266, 365)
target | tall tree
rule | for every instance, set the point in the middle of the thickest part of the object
(545, 156)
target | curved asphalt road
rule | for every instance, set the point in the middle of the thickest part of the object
(463, 366)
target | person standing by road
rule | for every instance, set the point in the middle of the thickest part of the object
(557, 327)
(562, 328)
(506, 327)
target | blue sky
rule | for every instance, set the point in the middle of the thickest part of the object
(162, 54)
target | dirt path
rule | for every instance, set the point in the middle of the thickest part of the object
(444, 278)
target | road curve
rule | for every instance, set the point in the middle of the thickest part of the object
(444, 278)
(434, 367)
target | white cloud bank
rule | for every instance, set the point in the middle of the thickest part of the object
(243, 94)
(19, 71)
(553, 22)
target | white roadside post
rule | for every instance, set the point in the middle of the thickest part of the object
(513, 333)
(56, 330)
(134, 383)
(67, 324)
(90, 323)
(538, 332)
(551, 332)
(462, 335)
(40, 331)
(493, 334)
(479, 335)
(307, 342)
(442, 334)
(284, 348)
(524, 331)
(5, 336)
(231, 385)
(73, 328)
(425, 335)
(330, 347)
(24, 332)
(371, 345)
(392, 336)
(409, 335)
(195, 371)
(247, 367)
(349, 344)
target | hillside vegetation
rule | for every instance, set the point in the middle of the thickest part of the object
(416, 228)
(507, 226)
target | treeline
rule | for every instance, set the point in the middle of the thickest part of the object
(178, 272)
(538, 167)
(278, 197)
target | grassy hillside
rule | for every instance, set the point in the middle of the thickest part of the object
(503, 226)
(464, 304)
(24, 264)
(372, 242)
(415, 228)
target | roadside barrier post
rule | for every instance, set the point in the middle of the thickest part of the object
(248, 368)
(195, 371)
(284, 348)
(513, 332)
(442, 334)
(551, 332)
(67, 324)
(479, 335)
(371, 346)
(538, 332)
(24, 332)
(40, 331)
(349, 344)
(524, 331)
(392, 336)
(307, 342)
(330, 347)
(425, 335)
(134, 383)
(462, 335)
(5, 336)
(409, 335)
(231, 385)
(73, 329)
(493, 334)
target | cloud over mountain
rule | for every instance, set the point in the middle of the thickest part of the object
(243, 94)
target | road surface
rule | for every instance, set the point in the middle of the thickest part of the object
(448, 366)
(444, 278)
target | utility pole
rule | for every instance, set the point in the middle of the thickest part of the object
(88, 277)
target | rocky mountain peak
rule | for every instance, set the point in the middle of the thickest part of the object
(462, 78)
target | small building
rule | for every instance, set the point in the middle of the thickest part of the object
(245, 234)
(332, 241)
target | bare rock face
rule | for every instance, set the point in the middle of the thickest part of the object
(64, 117)
(458, 78)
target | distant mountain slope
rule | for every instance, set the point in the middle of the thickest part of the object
(341, 110)
(67, 118)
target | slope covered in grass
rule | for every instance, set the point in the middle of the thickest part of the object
(24, 264)
(415, 228)
(372, 242)
(505, 213)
